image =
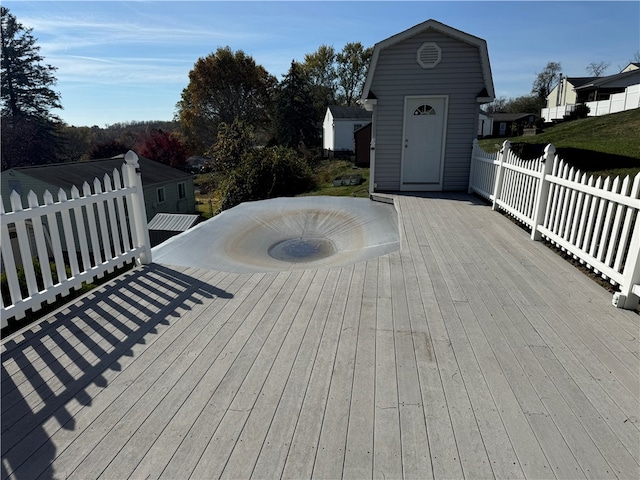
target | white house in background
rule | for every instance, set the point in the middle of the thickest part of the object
(338, 127)
(603, 95)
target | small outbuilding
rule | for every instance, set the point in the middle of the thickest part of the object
(363, 145)
(166, 225)
(424, 87)
(338, 127)
(512, 124)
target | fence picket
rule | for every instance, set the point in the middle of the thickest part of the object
(81, 229)
(54, 235)
(122, 218)
(597, 237)
(115, 236)
(102, 221)
(578, 212)
(10, 268)
(615, 229)
(93, 230)
(606, 234)
(24, 245)
(41, 247)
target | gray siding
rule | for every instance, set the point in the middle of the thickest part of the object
(458, 75)
(172, 203)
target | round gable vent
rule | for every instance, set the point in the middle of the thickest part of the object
(429, 55)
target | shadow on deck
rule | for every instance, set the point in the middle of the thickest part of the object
(64, 362)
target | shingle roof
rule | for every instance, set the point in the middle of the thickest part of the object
(446, 30)
(338, 111)
(173, 222)
(598, 81)
(66, 175)
(577, 81)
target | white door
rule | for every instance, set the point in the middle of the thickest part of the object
(423, 143)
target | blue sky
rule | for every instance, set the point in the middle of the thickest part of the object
(125, 61)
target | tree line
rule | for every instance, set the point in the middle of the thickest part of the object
(226, 89)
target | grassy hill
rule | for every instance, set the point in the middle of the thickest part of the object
(606, 145)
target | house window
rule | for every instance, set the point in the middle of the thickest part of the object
(424, 110)
(182, 191)
(429, 55)
(160, 195)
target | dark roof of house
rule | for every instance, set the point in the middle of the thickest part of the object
(577, 81)
(509, 117)
(66, 175)
(345, 113)
(599, 81)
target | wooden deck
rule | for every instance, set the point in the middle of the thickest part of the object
(473, 352)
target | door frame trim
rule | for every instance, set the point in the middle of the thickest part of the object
(424, 187)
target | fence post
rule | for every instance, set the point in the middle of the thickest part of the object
(502, 156)
(542, 195)
(132, 168)
(628, 297)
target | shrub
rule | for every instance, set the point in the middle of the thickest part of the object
(266, 173)
(581, 111)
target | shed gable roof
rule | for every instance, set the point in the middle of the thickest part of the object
(341, 112)
(445, 30)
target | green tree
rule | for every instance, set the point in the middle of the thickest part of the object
(266, 173)
(320, 69)
(107, 149)
(29, 128)
(223, 86)
(234, 140)
(352, 65)
(295, 119)
(546, 79)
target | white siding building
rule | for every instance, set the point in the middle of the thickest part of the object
(338, 127)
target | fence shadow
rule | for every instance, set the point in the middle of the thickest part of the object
(65, 361)
(579, 158)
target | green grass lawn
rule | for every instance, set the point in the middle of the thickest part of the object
(606, 145)
(327, 170)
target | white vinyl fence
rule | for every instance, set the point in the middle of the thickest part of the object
(594, 219)
(617, 102)
(100, 230)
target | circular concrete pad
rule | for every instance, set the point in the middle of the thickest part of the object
(286, 233)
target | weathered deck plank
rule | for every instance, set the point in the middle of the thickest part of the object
(472, 352)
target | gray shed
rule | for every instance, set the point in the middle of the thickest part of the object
(424, 86)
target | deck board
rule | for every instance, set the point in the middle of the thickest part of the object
(472, 352)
